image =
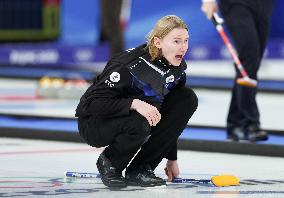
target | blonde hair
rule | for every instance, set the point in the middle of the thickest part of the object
(160, 30)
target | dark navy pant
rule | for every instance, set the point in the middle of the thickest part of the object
(248, 22)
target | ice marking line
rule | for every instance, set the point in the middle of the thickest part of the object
(13, 181)
(257, 181)
(276, 181)
(16, 98)
(16, 187)
(31, 184)
(50, 151)
(241, 192)
(31, 177)
(247, 183)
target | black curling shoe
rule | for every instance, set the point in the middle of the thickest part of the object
(143, 176)
(109, 175)
(251, 134)
(255, 134)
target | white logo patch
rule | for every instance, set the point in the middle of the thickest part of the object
(129, 50)
(110, 84)
(114, 77)
(170, 78)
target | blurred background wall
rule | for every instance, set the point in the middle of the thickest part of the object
(69, 31)
(80, 21)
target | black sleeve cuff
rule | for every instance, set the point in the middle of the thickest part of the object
(172, 155)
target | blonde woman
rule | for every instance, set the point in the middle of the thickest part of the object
(140, 101)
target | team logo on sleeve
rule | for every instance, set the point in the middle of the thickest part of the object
(114, 77)
(170, 78)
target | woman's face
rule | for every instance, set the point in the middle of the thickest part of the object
(174, 45)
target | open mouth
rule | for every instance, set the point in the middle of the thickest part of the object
(178, 57)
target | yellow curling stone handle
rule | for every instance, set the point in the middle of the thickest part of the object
(225, 180)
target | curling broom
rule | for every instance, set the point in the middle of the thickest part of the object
(244, 80)
(219, 180)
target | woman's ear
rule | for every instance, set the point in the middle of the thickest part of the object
(157, 42)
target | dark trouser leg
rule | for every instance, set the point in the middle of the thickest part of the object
(241, 24)
(126, 144)
(178, 107)
(123, 135)
(234, 116)
(243, 109)
(111, 29)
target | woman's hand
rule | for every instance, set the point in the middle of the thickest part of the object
(172, 169)
(150, 112)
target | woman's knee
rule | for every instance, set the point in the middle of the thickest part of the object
(137, 126)
(88, 130)
(187, 99)
(192, 100)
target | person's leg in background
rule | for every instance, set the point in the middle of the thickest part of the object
(111, 29)
(178, 107)
(249, 35)
(262, 22)
(240, 20)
